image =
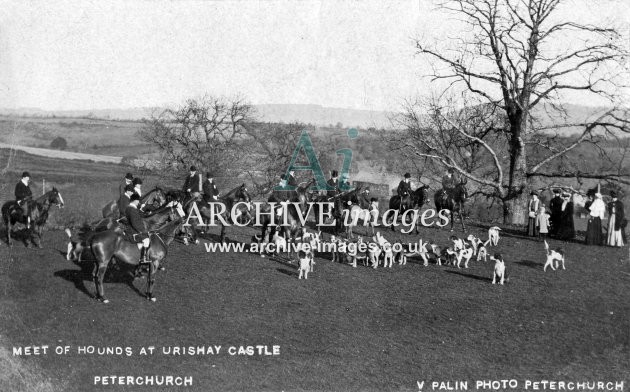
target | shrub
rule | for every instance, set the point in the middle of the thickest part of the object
(59, 143)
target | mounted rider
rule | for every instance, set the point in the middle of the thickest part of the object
(136, 227)
(128, 180)
(125, 199)
(449, 181)
(210, 191)
(193, 185)
(24, 195)
(404, 189)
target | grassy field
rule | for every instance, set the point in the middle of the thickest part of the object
(343, 329)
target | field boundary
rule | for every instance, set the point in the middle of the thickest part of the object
(45, 152)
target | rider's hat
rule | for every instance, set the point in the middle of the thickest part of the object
(335, 173)
(137, 181)
(129, 176)
(407, 175)
(613, 194)
(129, 188)
(451, 170)
(192, 168)
(25, 174)
(556, 191)
(134, 197)
(209, 174)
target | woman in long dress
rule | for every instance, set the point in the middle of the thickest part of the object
(597, 210)
(615, 221)
(566, 231)
(532, 209)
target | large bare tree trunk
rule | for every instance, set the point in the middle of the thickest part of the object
(515, 205)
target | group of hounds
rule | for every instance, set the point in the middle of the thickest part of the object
(380, 251)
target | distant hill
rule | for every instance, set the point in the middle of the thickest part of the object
(309, 114)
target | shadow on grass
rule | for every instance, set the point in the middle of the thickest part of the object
(115, 274)
(530, 264)
(287, 272)
(471, 276)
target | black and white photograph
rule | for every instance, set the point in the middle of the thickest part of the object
(287, 195)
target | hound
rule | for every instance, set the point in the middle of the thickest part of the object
(493, 235)
(499, 268)
(556, 255)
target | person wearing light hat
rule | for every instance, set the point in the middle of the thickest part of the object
(126, 181)
(532, 210)
(23, 196)
(136, 227)
(193, 185)
(597, 210)
(616, 221)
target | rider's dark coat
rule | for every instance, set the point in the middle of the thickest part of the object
(135, 221)
(123, 203)
(404, 188)
(22, 191)
(449, 183)
(334, 184)
(209, 190)
(194, 183)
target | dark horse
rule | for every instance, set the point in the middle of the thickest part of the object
(453, 202)
(289, 214)
(342, 204)
(226, 202)
(416, 200)
(38, 211)
(110, 243)
(153, 200)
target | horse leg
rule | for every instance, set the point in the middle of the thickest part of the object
(9, 228)
(222, 236)
(461, 216)
(151, 280)
(98, 275)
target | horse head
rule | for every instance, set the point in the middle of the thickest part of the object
(461, 192)
(242, 194)
(54, 197)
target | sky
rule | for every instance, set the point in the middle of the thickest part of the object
(71, 55)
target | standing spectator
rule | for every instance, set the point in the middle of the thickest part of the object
(566, 228)
(597, 210)
(616, 221)
(555, 207)
(542, 221)
(210, 191)
(532, 209)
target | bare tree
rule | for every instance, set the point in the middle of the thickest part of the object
(206, 132)
(511, 64)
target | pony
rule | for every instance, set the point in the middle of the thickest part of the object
(111, 244)
(38, 211)
(453, 202)
(153, 200)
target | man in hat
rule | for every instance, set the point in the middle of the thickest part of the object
(193, 184)
(124, 200)
(136, 227)
(137, 186)
(210, 191)
(555, 207)
(333, 182)
(23, 196)
(404, 187)
(126, 181)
